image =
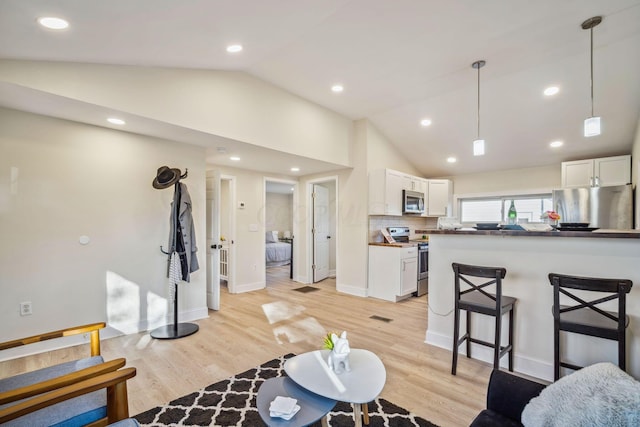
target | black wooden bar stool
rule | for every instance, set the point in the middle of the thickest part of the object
(584, 317)
(476, 299)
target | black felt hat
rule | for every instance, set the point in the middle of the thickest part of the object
(166, 177)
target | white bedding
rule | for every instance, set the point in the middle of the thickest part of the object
(278, 253)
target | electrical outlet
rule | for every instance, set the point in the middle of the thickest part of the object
(26, 309)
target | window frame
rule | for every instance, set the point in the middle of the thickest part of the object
(503, 198)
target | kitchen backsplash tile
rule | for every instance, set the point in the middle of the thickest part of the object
(376, 222)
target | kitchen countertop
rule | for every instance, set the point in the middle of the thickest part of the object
(615, 234)
(394, 245)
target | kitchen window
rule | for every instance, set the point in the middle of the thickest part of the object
(495, 209)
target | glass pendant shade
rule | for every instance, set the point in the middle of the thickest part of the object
(592, 126)
(478, 147)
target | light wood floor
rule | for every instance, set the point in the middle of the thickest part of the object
(254, 327)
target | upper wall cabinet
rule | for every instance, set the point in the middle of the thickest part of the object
(601, 172)
(440, 195)
(385, 192)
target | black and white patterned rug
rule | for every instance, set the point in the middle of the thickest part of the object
(232, 402)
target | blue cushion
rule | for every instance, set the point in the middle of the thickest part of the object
(129, 422)
(73, 412)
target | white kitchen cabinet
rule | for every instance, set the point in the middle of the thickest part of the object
(439, 195)
(393, 272)
(414, 183)
(602, 172)
(385, 192)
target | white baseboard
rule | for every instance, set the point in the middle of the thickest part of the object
(110, 331)
(351, 290)
(332, 273)
(528, 366)
(248, 287)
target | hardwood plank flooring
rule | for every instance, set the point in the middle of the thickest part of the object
(254, 327)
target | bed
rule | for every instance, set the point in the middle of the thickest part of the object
(277, 253)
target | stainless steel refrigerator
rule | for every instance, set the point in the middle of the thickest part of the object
(602, 207)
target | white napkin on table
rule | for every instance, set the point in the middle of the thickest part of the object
(283, 407)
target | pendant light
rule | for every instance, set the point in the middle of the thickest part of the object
(591, 124)
(478, 144)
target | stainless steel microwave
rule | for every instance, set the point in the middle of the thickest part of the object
(412, 202)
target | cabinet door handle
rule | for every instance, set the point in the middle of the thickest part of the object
(591, 182)
(597, 181)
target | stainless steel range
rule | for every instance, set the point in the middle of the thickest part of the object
(423, 268)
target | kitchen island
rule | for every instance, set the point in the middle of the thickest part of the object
(529, 257)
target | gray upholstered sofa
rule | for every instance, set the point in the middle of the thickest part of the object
(598, 395)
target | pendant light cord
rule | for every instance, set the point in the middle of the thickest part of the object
(479, 102)
(591, 33)
(477, 65)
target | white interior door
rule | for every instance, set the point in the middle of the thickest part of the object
(213, 242)
(320, 233)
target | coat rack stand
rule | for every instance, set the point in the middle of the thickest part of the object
(177, 330)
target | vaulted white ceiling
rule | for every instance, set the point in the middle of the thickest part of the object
(400, 61)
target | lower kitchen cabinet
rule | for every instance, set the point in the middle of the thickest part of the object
(393, 272)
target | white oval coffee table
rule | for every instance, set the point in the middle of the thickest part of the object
(359, 386)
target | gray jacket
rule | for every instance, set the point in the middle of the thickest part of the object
(188, 231)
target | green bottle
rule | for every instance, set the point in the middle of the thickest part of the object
(513, 214)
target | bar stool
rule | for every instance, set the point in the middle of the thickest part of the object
(585, 317)
(476, 299)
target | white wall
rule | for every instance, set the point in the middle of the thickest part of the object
(279, 212)
(229, 104)
(60, 180)
(529, 179)
(382, 154)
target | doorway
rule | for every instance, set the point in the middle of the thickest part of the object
(323, 231)
(279, 201)
(221, 195)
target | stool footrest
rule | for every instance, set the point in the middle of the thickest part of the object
(570, 366)
(463, 338)
(503, 349)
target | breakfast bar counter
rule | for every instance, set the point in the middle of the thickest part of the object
(600, 233)
(528, 258)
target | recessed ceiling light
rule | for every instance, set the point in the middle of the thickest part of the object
(425, 122)
(116, 121)
(234, 48)
(53, 23)
(551, 90)
(294, 169)
(291, 188)
(556, 144)
(221, 150)
(337, 88)
(451, 159)
(234, 158)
